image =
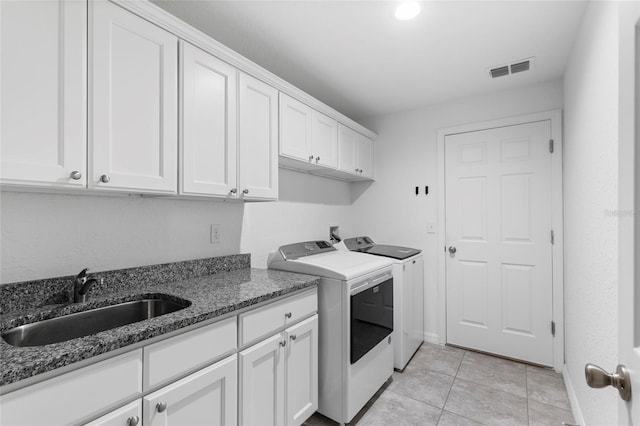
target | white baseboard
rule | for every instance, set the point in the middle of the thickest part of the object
(433, 338)
(573, 399)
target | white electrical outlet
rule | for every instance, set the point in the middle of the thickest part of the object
(215, 234)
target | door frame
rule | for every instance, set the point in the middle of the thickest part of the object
(628, 184)
(555, 118)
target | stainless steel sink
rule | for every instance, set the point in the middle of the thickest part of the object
(93, 321)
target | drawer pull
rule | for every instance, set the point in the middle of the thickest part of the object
(287, 315)
(161, 406)
(293, 337)
(133, 421)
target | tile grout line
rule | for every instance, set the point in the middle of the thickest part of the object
(455, 376)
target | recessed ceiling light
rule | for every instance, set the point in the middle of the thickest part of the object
(407, 10)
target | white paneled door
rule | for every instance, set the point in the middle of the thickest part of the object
(498, 233)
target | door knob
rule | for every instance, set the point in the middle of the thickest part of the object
(598, 378)
(452, 249)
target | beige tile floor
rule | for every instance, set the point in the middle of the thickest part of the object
(448, 386)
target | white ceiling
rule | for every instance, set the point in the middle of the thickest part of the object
(355, 57)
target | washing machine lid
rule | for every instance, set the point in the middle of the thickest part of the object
(342, 265)
(394, 252)
(366, 245)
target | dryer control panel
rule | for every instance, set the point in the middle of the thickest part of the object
(308, 248)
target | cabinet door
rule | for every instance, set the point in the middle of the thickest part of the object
(129, 415)
(134, 64)
(208, 131)
(295, 129)
(258, 139)
(43, 85)
(347, 140)
(364, 156)
(325, 140)
(206, 397)
(262, 383)
(301, 371)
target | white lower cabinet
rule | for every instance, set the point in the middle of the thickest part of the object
(75, 397)
(194, 378)
(129, 415)
(206, 397)
(262, 383)
(301, 371)
(279, 377)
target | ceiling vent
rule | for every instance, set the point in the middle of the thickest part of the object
(499, 72)
(515, 67)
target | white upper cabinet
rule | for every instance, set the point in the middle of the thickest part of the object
(324, 137)
(355, 154)
(364, 156)
(308, 138)
(208, 124)
(347, 140)
(133, 92)
(258, 139)
(43, 86)
(295, 129)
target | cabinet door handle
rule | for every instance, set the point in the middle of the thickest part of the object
(233, 190)
(245, 191)
(293, 337)
(161, 406)
(133, 421)
(287, 315)
(283, 343)
(105, 179)
(311, 158)
(317, 159)
(76, 175)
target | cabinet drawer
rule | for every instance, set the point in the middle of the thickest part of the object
(73, 397)
(276, 316)
(169, 359)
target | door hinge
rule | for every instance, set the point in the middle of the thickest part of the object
(553, 237)
(553, 328)
(551, 146)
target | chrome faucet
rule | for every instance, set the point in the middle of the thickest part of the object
(82, 286)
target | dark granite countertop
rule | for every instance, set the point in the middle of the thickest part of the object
(210, 296)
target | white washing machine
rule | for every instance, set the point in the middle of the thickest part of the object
(408, 294)
(355, 312)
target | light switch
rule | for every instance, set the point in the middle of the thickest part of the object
(431, 228)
